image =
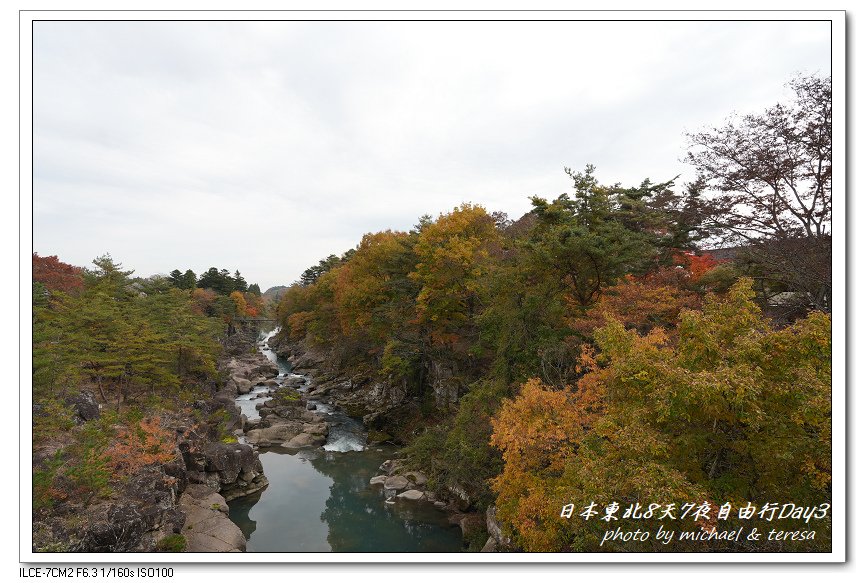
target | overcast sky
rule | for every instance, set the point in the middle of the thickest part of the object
(266, 146)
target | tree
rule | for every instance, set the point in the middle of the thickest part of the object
(188, 280)
(239, 303)
(239, 282)
(254, 289)
(176, 278)
(55, 275)
(768, 185)
(726, 409)
(311, 274)
(453, 253)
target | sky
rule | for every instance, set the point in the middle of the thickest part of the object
(263, 147)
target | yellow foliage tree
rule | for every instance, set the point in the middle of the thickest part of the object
(729, 410)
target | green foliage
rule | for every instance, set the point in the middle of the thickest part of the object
(220, 281)
(125, 345)
(460, 455)
(87, 468)
(45, 493)
(591, 239)
(173, 543)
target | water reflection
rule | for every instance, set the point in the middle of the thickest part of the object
(288, 515)
(359, 521)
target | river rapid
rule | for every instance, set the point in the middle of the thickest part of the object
(320, 500)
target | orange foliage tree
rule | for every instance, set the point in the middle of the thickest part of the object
(139, 445)
(727, 409)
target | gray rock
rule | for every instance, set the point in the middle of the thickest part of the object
(274, 435)
(396, 483)
(377, 480)
(494, 527)
(207, 528)
(387, 466)
(228, 460)
(315, 428)
(305, 440)
(85, 406)
(412, 495)
(243, 385)
(490, 546)
(311, 406)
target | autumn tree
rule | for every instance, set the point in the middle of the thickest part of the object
(767, 185)
(453, 254)
(730, 410)
(239, 303)
(54, 275)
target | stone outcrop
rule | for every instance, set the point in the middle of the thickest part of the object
(207, 528)
(497, 540)
(143, 512)
(84, 405)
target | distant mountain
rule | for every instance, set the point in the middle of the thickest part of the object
(274, 293)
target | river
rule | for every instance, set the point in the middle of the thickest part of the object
(320, 500)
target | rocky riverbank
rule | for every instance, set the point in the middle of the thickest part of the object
(386, 415)
(173, 506)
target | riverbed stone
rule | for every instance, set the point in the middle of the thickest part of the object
(389, 466)
(396, 483)
(305, 440)
(412, 495)
(377, 480)
(315, 428)
(243, 385)
(275, 434)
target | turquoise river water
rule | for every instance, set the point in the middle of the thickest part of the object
(321, 500)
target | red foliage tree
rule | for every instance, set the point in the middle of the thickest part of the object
(56, 275)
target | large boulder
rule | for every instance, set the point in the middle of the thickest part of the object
(418, 478)
(207, 528)
(377, 480)
(315, 428)
(275, 434)
(412, 495)
(243, 385)
(228, 460)
(305, 440)
(396, 483)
